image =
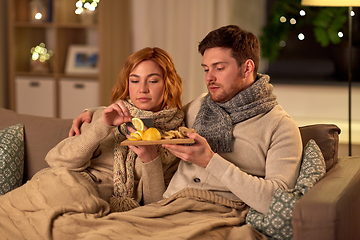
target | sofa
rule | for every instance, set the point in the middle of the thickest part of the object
(329, 210)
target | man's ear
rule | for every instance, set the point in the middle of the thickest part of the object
(248, 68)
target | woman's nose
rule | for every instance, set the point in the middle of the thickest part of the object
(144, 88)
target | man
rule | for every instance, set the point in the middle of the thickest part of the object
(247, 146)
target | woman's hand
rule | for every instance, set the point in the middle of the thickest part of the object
(146, 153)
(116, 114)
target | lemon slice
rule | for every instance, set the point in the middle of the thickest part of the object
(134, 137)
(140, 133)
(138, 124)
(151, 134)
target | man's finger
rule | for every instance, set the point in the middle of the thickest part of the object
(71, 132)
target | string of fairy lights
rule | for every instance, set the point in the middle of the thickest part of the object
(301, 36)
(86, 4)
(40, 52)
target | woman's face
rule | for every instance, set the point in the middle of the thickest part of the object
(146, 86)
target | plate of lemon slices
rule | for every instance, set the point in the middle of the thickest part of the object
(152, 136)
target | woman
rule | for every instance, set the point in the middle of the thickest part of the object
(125, 177)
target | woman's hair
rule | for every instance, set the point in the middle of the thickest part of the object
(173, 82)
(244, 45)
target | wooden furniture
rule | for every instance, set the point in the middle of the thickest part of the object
(56, 93)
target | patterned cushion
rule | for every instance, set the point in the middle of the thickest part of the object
(11, 158)
(276, 223)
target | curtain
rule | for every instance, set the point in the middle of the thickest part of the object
(177, 26)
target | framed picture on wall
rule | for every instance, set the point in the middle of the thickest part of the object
(82, 59)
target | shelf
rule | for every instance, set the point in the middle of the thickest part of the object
(110, 32)
(82, 76)
(76, 25)
(54, 25)
(64, 29)
(33, 24)
(34, 74)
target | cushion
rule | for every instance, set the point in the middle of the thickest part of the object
(326, 137)
(11, 158)
(277, 222)
(41, 134)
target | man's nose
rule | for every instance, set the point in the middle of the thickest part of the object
(209, 76)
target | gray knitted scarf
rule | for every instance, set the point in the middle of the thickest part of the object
(215, 121)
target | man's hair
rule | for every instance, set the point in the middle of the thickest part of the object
(173, 82)
(244, 45)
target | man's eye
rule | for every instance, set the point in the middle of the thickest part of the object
(219, 68)
(206, 70)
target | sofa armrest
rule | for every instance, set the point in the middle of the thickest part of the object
(331, 209)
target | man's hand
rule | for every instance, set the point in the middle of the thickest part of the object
(77, 122)
(199, 154)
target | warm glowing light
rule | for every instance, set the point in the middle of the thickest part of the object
(40, 53)
(79, 10)
(293, 21)
(38, 16)
(282, 19)
(35, 56)
(78, 4)
(301, 36)
(352, 13)
(340, 34)
(90, 5)
(87, 5)
(302, 13)
(91, 8)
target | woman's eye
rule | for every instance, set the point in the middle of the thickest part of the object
(206, 70)
(154, 80)
(134, 81)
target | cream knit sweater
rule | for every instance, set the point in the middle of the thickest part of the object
(267, 155)
(92, 152)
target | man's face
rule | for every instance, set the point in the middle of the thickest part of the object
(222, 74)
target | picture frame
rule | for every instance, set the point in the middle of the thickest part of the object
(82, 59)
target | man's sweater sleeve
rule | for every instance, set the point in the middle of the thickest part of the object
(282, 169)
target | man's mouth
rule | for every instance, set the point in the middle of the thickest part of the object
(213, 87)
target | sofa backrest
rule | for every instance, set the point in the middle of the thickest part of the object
(326, 137)
(41, 134)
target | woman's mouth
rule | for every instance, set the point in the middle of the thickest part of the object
(143, 100)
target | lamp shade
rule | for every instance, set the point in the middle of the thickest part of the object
(331, 3)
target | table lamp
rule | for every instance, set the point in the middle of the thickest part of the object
(340, 3)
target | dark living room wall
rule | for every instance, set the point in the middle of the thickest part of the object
(307, 61)
(4, 54)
